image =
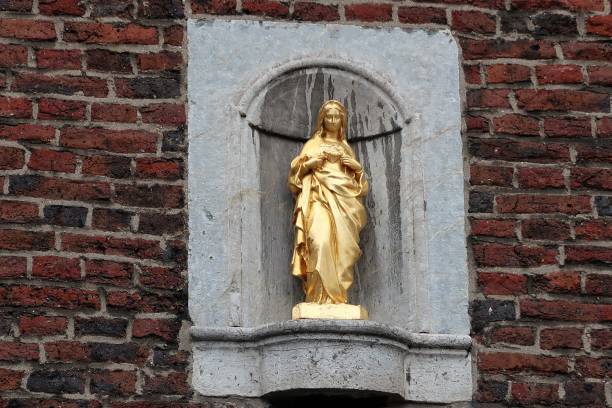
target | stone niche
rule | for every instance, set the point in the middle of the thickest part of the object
(254, 92)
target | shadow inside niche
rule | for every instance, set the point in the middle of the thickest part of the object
(302, 398)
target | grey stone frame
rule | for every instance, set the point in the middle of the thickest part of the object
(231, 66)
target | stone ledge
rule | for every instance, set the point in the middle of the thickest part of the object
(344, 356)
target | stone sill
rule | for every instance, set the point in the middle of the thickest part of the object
(350, 357)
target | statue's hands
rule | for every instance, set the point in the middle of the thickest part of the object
(315, 163)
(351, 163)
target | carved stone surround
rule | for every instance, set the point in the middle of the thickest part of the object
(254, 90)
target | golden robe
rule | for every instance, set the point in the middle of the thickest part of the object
(328, 216)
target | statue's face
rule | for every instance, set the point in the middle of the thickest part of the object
(332, 120)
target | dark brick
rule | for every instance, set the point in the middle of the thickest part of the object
(112, 8)
(159, 224)
(161, 9)
(481, 202)
(149, 87)
(110, 219)
(100, 326)
(149, 196)
(56, 382)
(491, 391)
(65, 215)
(585, 394)
(484, 312)
(104, 60)
(555, 24)
(214, 6)
(117, 353)
(174, 141)
(604, 205)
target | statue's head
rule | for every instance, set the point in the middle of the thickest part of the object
(332, 117)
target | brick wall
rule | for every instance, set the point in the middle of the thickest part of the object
(92, 214)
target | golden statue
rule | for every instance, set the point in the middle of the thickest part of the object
(328, 184)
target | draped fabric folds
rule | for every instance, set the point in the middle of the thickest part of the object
(328, 216)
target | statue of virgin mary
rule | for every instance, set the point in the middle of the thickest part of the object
(328, 184)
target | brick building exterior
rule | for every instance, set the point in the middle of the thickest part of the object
(92, 194)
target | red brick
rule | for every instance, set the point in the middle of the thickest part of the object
(15, 108)
(109, 272)
(488, 98)
(495, 283)
(547, 229)
(562, 100)
(540, 177)
(14, 352)
(62, 7)
(421, 15)
(558, 282)
(601, 339)
(565, 310)
(493, 228)
(600, 25)
(309, 11)
(18, 212)
(13, 55)
(517, 362)
(598, 285)
(507, 73)
(173, 35)
(109, 33)
(517, 125)
(521, 335)
(573, 5)
(594, 367)
(604, 128)
(16, 5)
(42, 325)
(67, 351)
(368, 12)
(473, 22)
(169, 169)
(600, 75)
(130, 247)
(493, 254)
(111, 219)
(58, 59)
(61, 189)
(590, 51)
(169, 383)
(526, 203)
(151, 196)
(61, 109)
(213, 6)
(594, 230)
(523, 151)
(161, 277)
(11, 379)
(113, 382)
(25, 132)
(15, 240)
(472, 74)
(164, 114)
(61, 84)
(588, 254)
(56, 268)
(161, 61)
(12, 267)
(491, 176)
(557, 338)
(265, 8)
(598, 153)
(493, 49)
(110, 166)
(530, 393)
(108, 61)
(567, 127)
(66, 298)
(52, 160)
(34, 30)
(559, 74)
(11, 158)
(119, 141)
(164, 329)
(592, 178)
(144, 302)
(106, 112)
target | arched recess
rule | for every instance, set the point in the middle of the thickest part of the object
(280, 110)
